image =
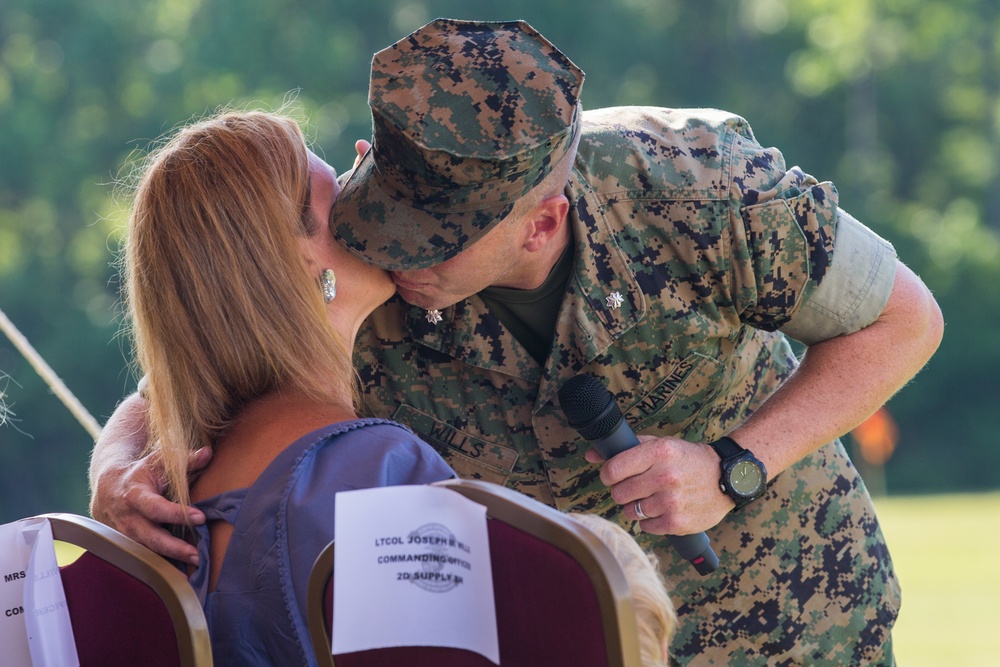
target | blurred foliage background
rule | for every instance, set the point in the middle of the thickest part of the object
(896, 101)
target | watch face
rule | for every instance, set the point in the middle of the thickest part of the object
(745, 478)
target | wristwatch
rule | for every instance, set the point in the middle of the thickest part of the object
(744, 477)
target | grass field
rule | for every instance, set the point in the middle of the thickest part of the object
(947, 553)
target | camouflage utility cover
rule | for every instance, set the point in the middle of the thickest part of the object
(468, 116)
(713, 245)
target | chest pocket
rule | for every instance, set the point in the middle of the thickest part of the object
(672, 404)
(470, 457)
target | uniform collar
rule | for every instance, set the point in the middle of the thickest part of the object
(601, 271)
(603, 299)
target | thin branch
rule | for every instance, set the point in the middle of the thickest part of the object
(48, 375)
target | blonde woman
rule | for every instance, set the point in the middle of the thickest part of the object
(244, 312)
(654, 610)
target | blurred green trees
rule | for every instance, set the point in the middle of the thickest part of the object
(896, 101)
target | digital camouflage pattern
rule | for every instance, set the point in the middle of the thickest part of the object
(713, 246)
(467, 117)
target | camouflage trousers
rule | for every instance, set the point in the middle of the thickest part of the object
(804, 578)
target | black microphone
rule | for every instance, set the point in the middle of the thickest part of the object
(593, 412)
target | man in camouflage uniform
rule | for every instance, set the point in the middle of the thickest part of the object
(670, 254)
(692, 252)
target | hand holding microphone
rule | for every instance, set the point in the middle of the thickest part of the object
(592, 411)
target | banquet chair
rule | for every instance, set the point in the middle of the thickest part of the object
(128, 606)
(561, 597)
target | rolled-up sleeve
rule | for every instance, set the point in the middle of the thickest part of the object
(854, 290)
(782, 233)
(800, 263)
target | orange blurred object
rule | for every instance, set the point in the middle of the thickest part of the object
(876, 437)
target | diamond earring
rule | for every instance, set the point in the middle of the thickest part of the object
(328, 282)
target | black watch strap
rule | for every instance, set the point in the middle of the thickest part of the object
(726, 448)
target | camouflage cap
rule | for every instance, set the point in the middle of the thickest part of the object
(468, 116)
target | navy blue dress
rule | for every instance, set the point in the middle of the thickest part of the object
(257, 613)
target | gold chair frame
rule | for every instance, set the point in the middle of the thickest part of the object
(190, 626)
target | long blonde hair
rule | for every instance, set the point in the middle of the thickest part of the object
(654, 610)
(221, 305)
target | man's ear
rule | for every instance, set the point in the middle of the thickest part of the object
(548, 219)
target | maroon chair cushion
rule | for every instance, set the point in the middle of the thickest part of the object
(547, 612)
(117, 620)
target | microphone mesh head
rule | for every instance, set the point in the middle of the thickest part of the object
(589, 406)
